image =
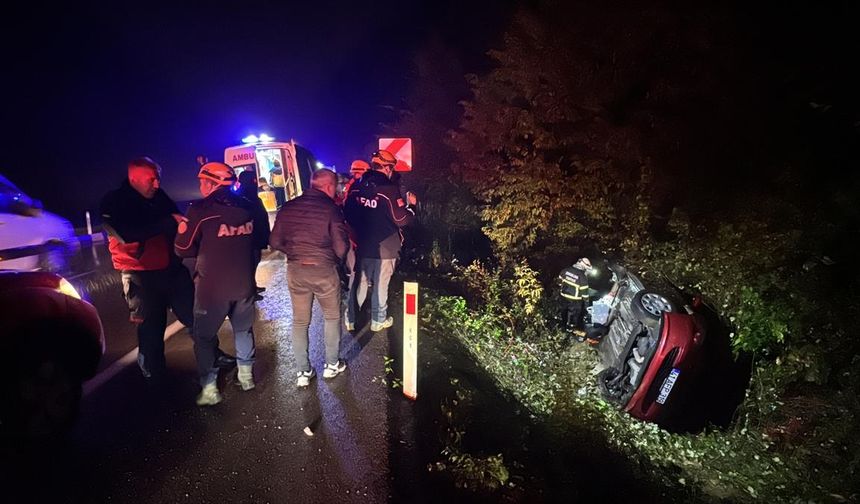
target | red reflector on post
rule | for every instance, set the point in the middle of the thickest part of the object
(411, 301)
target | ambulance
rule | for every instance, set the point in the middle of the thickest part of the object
(283, 169)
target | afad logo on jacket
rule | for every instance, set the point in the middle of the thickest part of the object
(243, 229)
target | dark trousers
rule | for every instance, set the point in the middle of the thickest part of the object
(209, 314)
(280, 196)
(573, 313)
(149, 294)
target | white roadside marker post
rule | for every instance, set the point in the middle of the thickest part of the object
(92, 239)
(410, 340)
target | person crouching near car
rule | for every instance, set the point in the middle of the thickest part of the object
(141, 222)
(311, 232)
(575, 292)
(224, 235)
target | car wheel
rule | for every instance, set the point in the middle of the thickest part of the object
(44, 400)
(648, 307)
(609, 385)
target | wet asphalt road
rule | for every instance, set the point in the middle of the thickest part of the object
(139, 444)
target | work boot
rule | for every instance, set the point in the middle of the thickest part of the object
(385, 324)
(209, 396)
(245, 376)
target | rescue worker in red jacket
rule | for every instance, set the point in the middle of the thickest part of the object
(141, 221)
(223, 234)
(376, 211)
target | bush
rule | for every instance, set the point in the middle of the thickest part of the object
(504, 328)
(761, 326)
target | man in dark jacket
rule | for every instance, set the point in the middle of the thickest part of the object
(376, 211)
(223, 234)
(141, 221)
(310, 231)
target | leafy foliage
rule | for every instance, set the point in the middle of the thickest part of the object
(762, 325)
(507, 336)
(743, 269)
(520, 150)
(528, 289)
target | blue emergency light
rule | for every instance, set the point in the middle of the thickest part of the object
(263, 138)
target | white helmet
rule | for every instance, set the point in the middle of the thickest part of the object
(583, 263)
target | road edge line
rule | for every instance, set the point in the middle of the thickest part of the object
(118, 365)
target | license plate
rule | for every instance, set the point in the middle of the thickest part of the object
(667, 385)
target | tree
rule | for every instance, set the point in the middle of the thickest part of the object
(597, 120)
(535, 146)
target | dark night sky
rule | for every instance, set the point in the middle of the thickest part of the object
(88, 87)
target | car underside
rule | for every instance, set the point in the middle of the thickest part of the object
(649, 347)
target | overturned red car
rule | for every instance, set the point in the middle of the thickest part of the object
(653, 349)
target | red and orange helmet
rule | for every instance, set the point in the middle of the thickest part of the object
(219, 173)
(358, 167)
(383, 158)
